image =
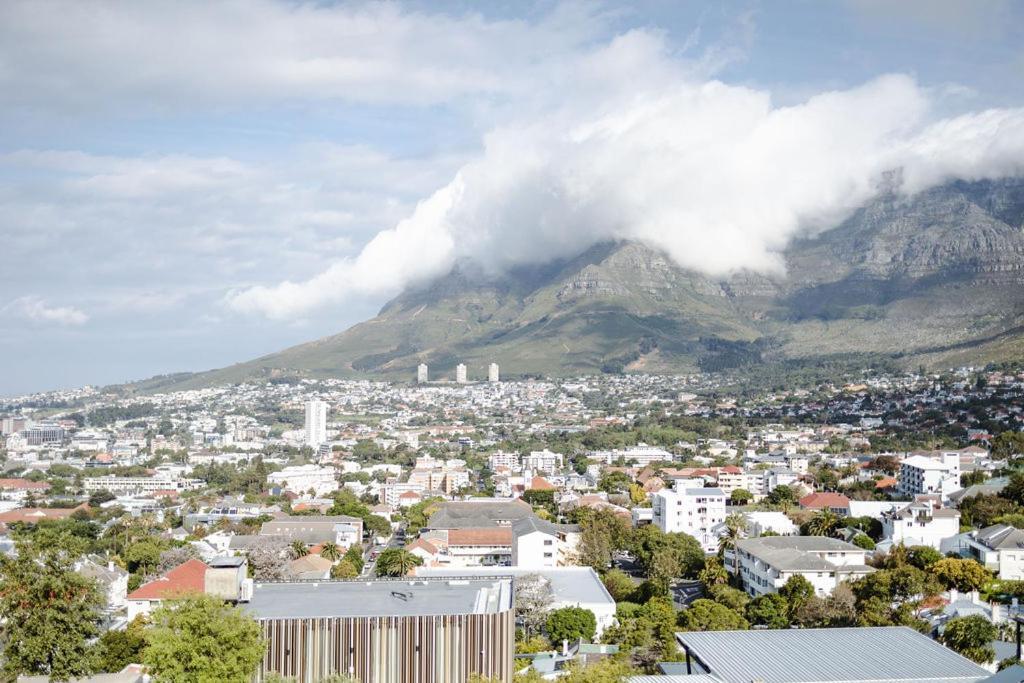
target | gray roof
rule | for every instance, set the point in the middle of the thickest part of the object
(478, 513)
(570, 585)
(1011, 674)
(674, 678)
(989, 488)
(797, 553)
(528, 525)
(1001, 537)
(896, 654)
(416, 597)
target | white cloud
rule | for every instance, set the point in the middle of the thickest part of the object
(39, 311)
(713, 174)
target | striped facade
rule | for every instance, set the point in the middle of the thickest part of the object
(391, 649)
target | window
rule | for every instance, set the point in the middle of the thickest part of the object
(548, 541)
(547, 555)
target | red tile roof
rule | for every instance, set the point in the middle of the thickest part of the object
(185, 578)
(33, 515)
(23, 485)
(541, 484)
(496, 536)
(824, 499)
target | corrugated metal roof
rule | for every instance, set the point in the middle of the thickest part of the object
(674, 678)
(840, 655)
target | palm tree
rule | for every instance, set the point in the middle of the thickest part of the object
(299, 549)
(735, 530)
(823, 523)
(397, 562)
(330, 551)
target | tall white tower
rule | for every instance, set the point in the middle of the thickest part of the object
(316, 423)
(460, 373)
(421, 373)
(492, 372)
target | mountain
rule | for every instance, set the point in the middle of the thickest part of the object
(935, 278)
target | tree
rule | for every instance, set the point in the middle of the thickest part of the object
(732, 598)
(707, 615)
(823, 523)
(50, 612)
(203, 639)
(923, 556)
(740, 497)
(268, 558)
(532, 601)
(143, 557)
(771, 610)
(299, 548)
(1007, 444)
(117, 649)
(713, 573)
(172, 557)
(619, 585)
(354, 556)
(330, 551)
(344, 570)
(964, 575)
(666, 556)
(781, 494)
(735, 530)
(572, 624)
(1014, 489)
(397, 562)
(614, 482)
(796, 591)
(972, 637)
(377, 525)
(601, 533)
(863, 541)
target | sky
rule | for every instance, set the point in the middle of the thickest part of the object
(184, 185)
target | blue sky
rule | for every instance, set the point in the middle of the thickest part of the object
(184, 185)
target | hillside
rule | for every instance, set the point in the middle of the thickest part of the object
(933, 279)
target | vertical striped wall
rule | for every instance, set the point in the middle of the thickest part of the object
(404, 649)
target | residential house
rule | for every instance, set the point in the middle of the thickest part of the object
(184, 579)
(537, 543)
(922, 522)
(767, 563)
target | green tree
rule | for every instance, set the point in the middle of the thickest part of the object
(823, 523)
(713, 573)
(1014, 489)
(354, 556)
(770, 609)
(1007, 444)
(972, 637)
(571, 623)
(50, 612)
(299, 548)
(735, 530)
(923, 556)
(707, 615)
(117, 649)
(601, 533)
(397, 562)
(330, 551)
(619, 585)
(964, 575)
(204, 640)
(863, 541)
(733, 598)
(665, 557)
(796, 591)
(344, 570)
(614, 482)
(781, 494)
(740, 497)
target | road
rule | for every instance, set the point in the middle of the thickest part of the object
(368, 564)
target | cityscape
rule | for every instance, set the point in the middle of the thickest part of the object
(450, 342)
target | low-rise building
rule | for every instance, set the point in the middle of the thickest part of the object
(694, 511)
(767, 563)
(537, 543)
(921, 523)
(301, 479)
(921, 475)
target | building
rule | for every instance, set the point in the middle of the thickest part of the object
(428, 630)
(543, 461)
(477, 513)
(316, 423)
(392, 492)
(112, 580)
(140, 485)
(538, 544)
(44, 435)
(691, 510)
(570, 587)
(492, 373)
(315, 529)
(508, 460)
(184, 579)
(851, 655)
(641, 455)
(999, 547)
(767, 563)
(304, 478)
(471, 547)
(826, 500)
(422, 374)
(460, 373)
(921, 475)
(921, 523)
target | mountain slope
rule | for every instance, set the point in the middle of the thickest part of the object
(936, 278)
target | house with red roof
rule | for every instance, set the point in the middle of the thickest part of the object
(822, 500)
(189, 577)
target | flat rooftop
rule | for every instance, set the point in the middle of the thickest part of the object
(829, 655)
(406, 597)
(568, 584)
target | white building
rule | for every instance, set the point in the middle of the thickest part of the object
(694, 511)
(760, 522)
(492, 373)
(316, 423)
(999, 547)
(539, 544)
(921, 523)
(422, 374)
(641, 454)
(301, 478)
(509, 460)
(767, 563)
(543, 461)
(460, 373)
(391, 493)
(921, 475)
(160, 482)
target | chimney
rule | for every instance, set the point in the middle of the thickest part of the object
(996, 618)
(954, 595)
(974, 596)
(110, 565)
(565, 647)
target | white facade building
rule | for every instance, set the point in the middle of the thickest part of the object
(921, 475)
(422, 373)
(641, 454)
(492, 373)
(390, 494)
(509, 460)
(302, 478)
(539, 544)
(999, 547)
(694, 511)
(120, 485)
(460, 373)
(316, 423)
(921, 523)
(543, 461)
(767, 563)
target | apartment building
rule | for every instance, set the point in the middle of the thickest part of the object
(123, 485)
(543, 461)
(921, 523)
(691, 510)
(537, 543)
(767, 563)
(921, 475)
(302, 479)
